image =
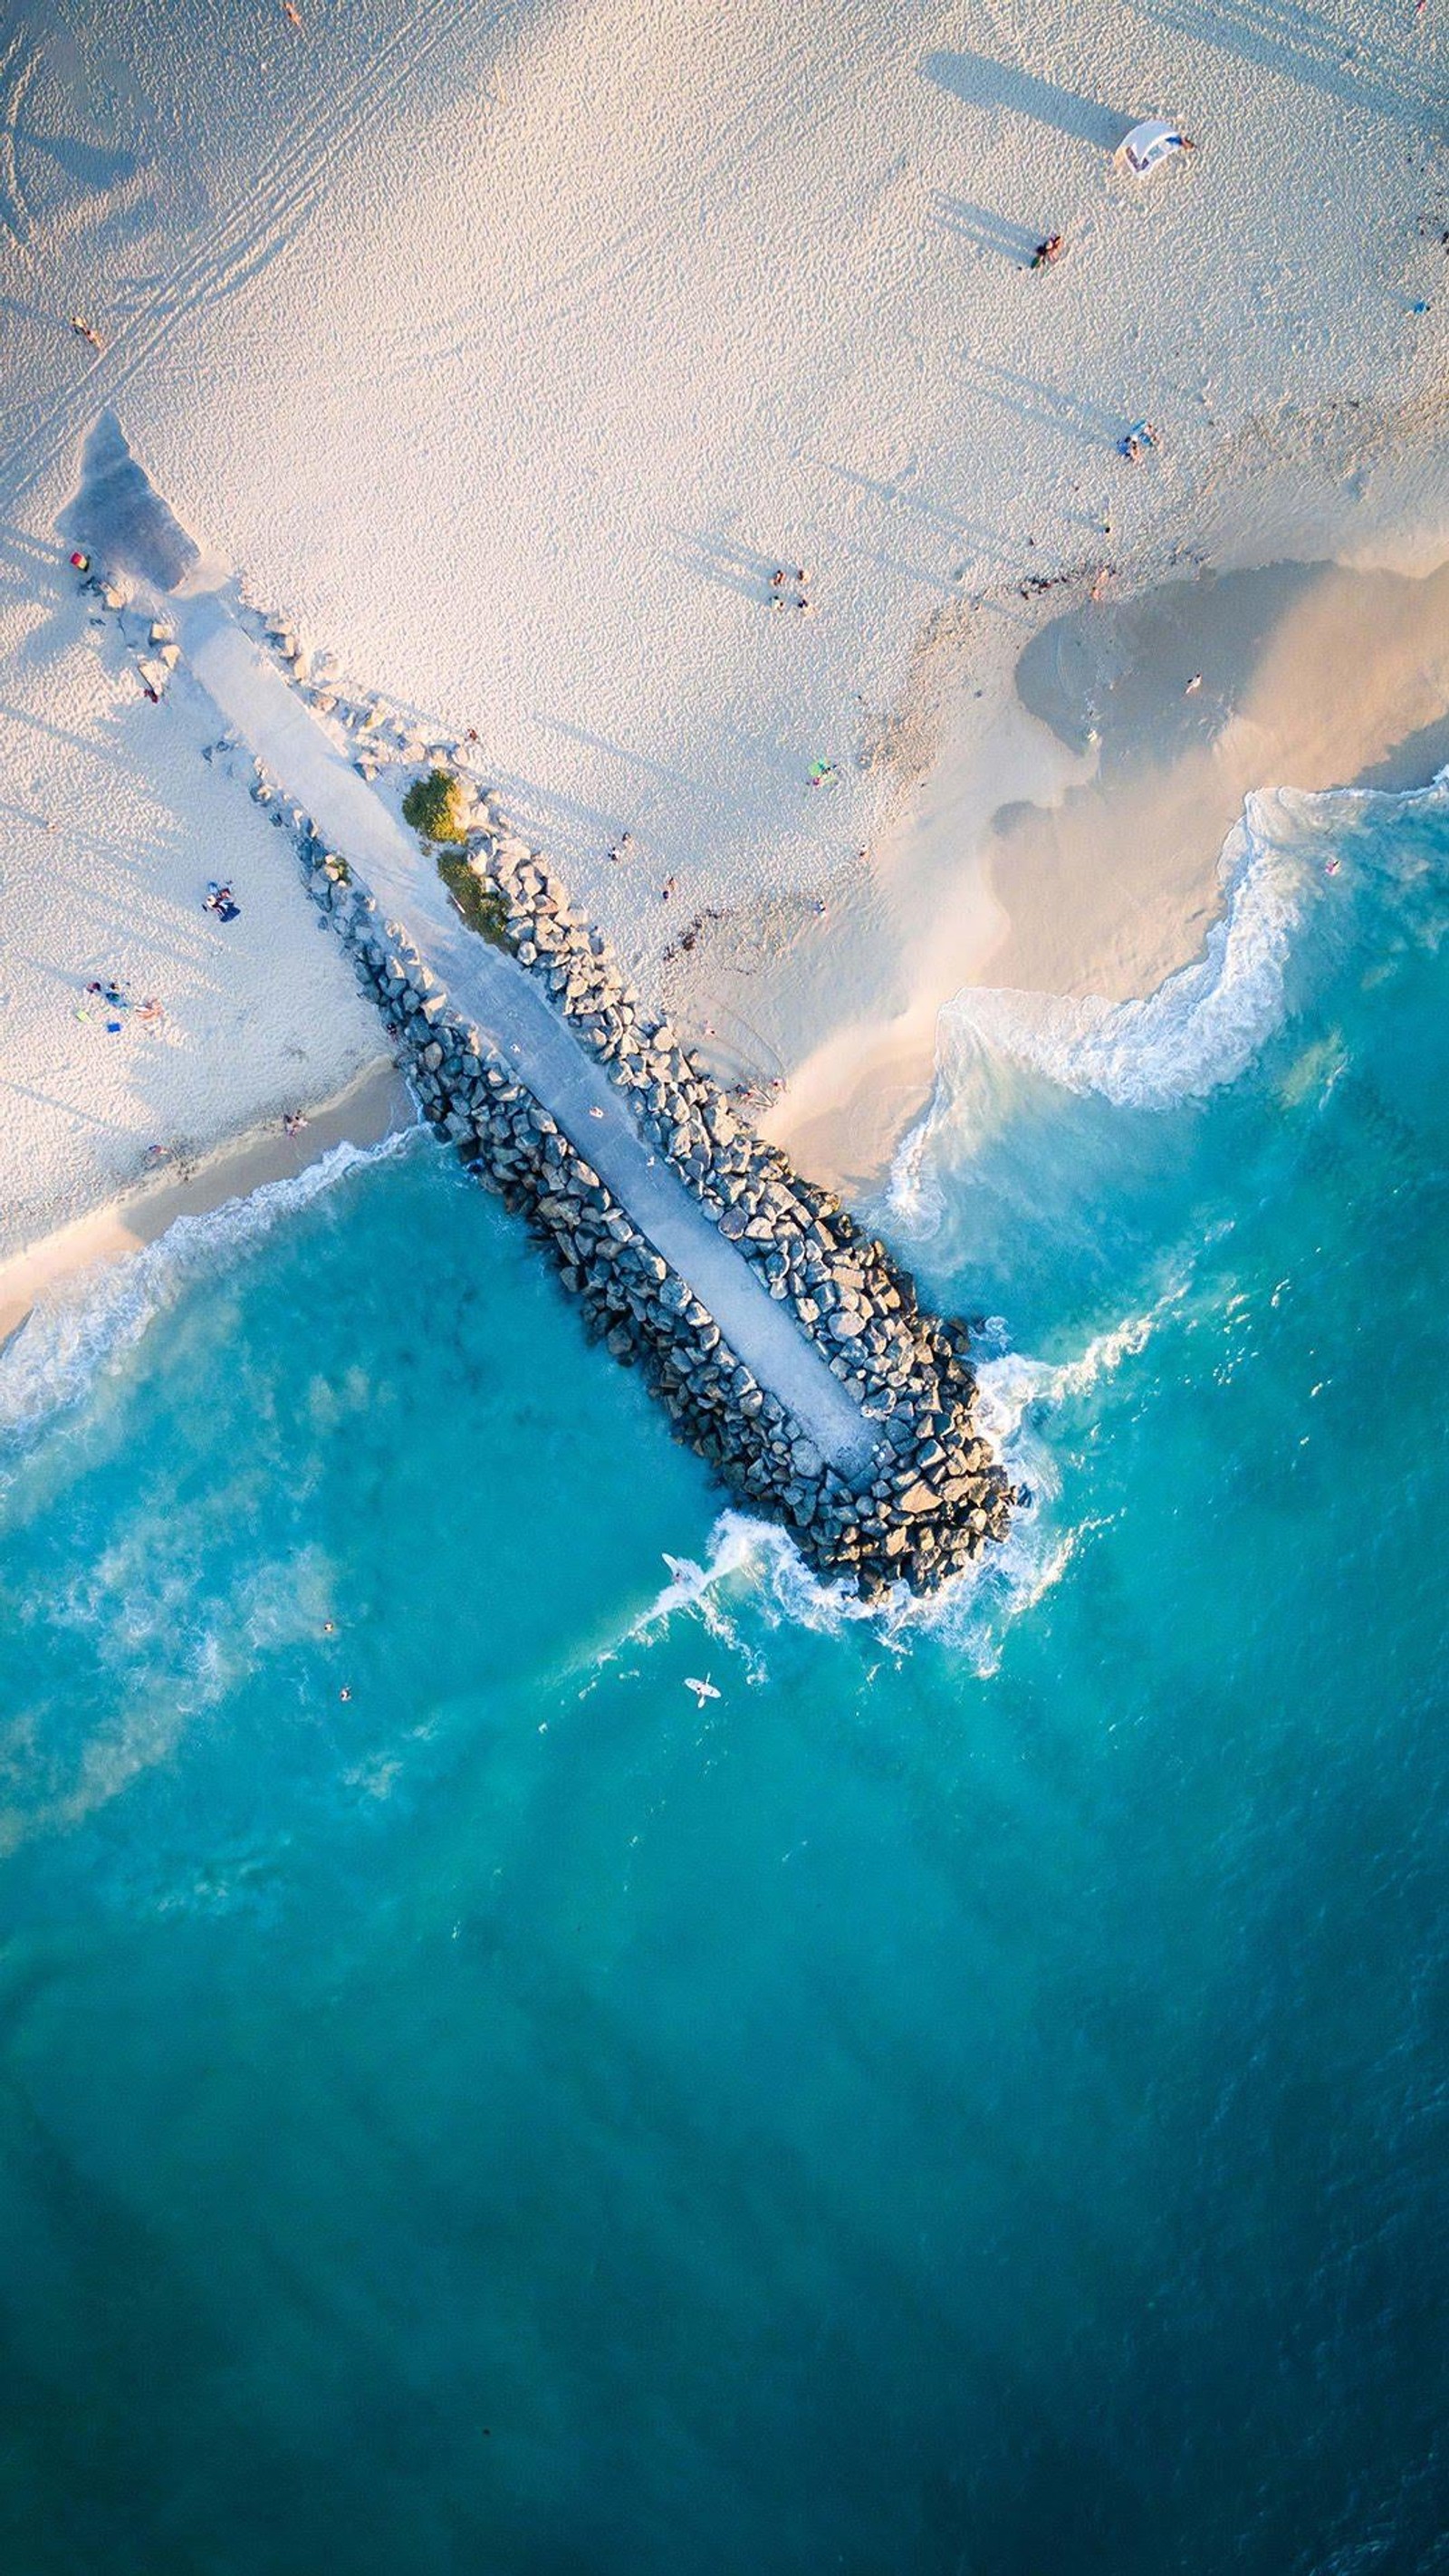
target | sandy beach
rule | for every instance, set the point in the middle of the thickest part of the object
(375, 1105)
(513, 351)
(1076, 850)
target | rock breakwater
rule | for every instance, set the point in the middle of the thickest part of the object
(895, 1484)
(932, 1494)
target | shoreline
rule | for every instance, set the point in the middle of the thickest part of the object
(376, 1104)
(1029, 855)
(1069, 838)
(770, 310)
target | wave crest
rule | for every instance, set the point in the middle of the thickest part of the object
(83, 1328)
(753, 1564)
(1200, 1029)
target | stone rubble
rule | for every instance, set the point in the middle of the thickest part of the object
(937, 1494)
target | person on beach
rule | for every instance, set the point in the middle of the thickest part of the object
(1048, 252)
(221, 901)
(293, 1123)
(85, 331)
(150, 1013)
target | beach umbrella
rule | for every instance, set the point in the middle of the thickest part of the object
(1148, 145)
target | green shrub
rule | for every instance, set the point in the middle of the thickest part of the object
(483, 908)
(434, 806)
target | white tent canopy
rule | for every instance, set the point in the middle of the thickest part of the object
(1149, 144)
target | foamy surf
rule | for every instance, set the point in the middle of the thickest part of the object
(77, 1334)
(1199, 1030)
(753, 1565)
(753, 1568)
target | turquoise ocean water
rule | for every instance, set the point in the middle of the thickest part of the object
(975, 2097)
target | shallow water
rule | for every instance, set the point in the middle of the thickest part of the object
(972, 2097)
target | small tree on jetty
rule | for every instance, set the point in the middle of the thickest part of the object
(434, 807)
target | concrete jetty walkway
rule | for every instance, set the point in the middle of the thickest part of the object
(489, 987)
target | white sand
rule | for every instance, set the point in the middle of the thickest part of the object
(512, 348)
(377, 1104)
(1038, 861)
(114, 823)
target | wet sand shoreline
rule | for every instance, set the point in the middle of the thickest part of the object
(376, 1105)
(1070, 843)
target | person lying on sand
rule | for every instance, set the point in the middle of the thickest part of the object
(1048, 252)
(221, 901)
(84, 330)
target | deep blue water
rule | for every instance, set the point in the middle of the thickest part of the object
(975, 2097)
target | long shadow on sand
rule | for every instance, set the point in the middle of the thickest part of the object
(985, 229)
(984, 83)
(1045, 406)
(1301, 45)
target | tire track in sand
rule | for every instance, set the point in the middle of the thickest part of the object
(17, 70)
(261, 220)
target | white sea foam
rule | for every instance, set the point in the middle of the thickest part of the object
(1200, 1029)
(1007, 1387)
(85, 1326)
(753, 1564)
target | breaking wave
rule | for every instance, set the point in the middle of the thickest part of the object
(79, 1332)
(1200, 1029)
(753, 1564)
